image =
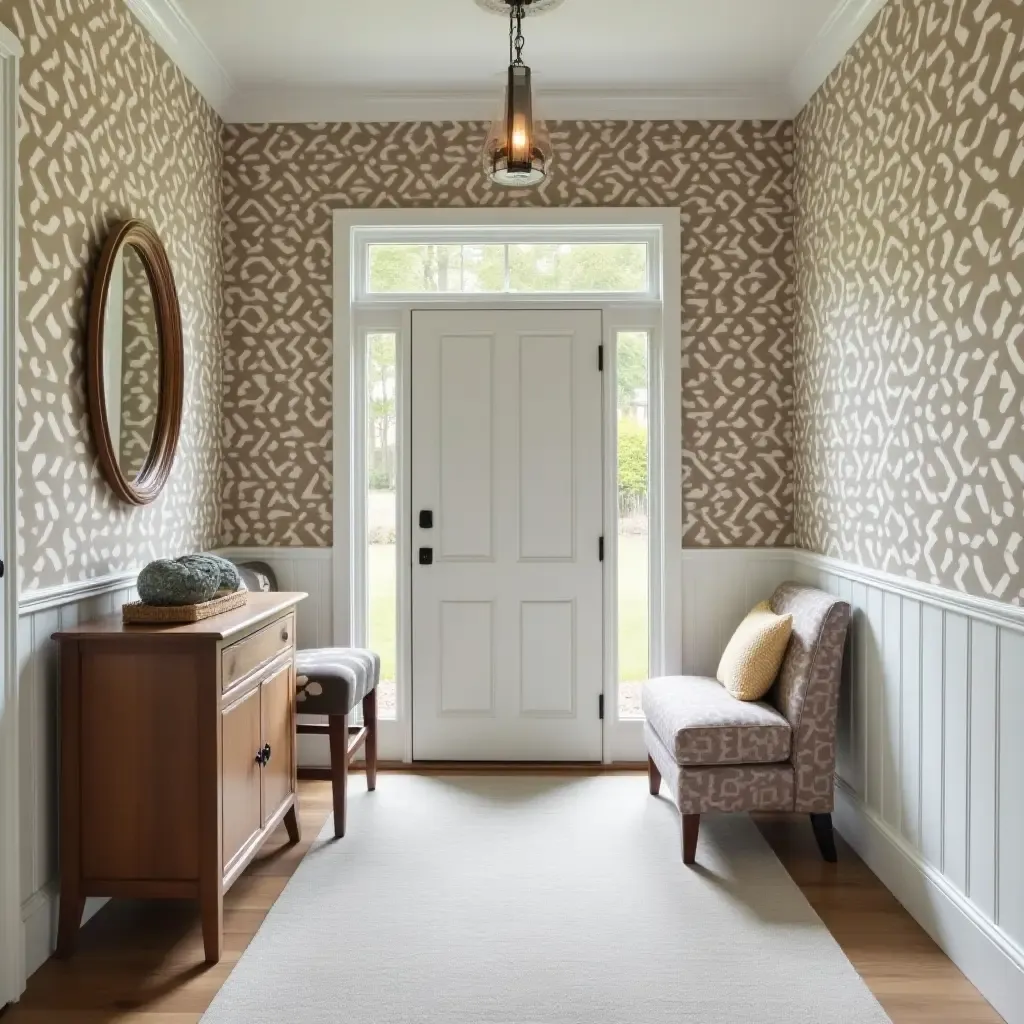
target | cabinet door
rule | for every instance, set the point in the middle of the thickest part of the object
(278, 704)
(240, 736)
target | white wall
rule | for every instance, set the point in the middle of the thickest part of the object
(931, 744)
(40, 615)
(931, 763)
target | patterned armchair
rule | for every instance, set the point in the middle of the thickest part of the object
(719, 754)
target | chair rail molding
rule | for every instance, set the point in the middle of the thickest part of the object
(177, 37)
(32, 601)
(12, 957)
(998, 613)
(844, 27)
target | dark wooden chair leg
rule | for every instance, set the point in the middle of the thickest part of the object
(70, 919)
(291, 824)
(653, 777)
(822, 825)
(338, 735)
(370, 750)
(691, 826)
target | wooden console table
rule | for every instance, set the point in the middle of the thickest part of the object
(177, 757)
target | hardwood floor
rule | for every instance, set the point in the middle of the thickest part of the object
(142, 963)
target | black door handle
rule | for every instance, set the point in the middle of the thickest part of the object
(426, 519)
(426, 556)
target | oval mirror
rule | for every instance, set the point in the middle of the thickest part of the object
(135, 363)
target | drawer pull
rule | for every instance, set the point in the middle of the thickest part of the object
(284, 635)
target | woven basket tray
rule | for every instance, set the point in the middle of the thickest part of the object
(137, 614)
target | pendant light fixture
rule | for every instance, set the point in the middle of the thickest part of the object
(517, 153)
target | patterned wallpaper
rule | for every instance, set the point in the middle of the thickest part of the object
(733, 183)
(909, 345)
(110, 129)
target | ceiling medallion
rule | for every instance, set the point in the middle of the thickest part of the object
(530, 7)
(517, 153)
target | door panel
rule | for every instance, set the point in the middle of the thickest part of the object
(546, 484)
(240, 738)
(507, 615)
(465, 373)
(278, 711)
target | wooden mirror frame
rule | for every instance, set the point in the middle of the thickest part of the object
(157, 467)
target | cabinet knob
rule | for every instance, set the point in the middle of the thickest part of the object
(266, 754)
(284, 635)
(259, 758)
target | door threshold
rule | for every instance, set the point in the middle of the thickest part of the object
(581, 768)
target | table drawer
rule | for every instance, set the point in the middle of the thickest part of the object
(261, 647)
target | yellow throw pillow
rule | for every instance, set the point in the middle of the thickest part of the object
(752, 658)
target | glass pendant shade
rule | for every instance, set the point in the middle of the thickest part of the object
(517, 153)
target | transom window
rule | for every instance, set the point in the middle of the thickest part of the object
(610, 264)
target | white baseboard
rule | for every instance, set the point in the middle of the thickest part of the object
(983, 952)
(39, 925)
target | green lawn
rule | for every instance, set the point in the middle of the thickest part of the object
(632, 607)
(382, 636)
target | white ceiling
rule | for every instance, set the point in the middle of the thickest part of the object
(390, 59)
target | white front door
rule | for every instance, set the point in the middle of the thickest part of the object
(507, 521)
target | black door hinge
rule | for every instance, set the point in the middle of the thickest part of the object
(600, 549)
(600, 358)
(600, 707)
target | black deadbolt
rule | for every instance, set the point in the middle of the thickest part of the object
(426, 519)
(426, 556)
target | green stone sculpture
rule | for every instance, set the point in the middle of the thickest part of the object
(229, 577)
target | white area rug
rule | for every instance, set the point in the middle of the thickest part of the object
(539, 901)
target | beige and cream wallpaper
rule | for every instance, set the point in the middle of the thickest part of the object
(110, 129)
(733, 184)
(909, 342)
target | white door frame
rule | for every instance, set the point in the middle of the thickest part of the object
(12, 950)
(623, 740)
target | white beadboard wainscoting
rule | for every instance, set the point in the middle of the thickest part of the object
(931, 742)
(41, 614)
(931, 762)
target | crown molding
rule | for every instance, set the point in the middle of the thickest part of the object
(843, 28)
(297, 104)
(178, 38)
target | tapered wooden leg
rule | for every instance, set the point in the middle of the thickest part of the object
(653, 777)
(211, 907)
(822, 825)
(370, 749)
(291, 824)
(338, 735)
(71, 907)
(691, 826)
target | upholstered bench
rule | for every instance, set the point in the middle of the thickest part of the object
(719, 754)
(332, 681)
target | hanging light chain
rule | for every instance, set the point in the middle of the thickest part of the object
(516, 40)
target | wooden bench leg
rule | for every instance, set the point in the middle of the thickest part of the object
(653, 777)
(370, 750)
(338, 735)
(691, 826)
